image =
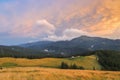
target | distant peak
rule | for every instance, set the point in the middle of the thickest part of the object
(84, 36)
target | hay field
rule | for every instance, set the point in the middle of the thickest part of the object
(37, 73)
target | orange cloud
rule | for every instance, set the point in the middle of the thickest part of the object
(111, 21)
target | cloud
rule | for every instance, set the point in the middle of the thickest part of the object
(72, 33)
(110, 22)
(45, 23)
(41, 28)
(68, 34)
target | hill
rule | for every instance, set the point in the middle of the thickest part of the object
(88, 62)
(36, 73)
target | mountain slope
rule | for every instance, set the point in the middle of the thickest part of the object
(20, 52)
(37, 45)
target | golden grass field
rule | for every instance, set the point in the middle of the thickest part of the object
(88, 62)
(37, 73)
(46, 69)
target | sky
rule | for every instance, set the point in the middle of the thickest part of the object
(24, 21)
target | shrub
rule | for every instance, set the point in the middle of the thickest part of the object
(64, 65)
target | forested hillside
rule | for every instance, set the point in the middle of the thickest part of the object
(110, 60)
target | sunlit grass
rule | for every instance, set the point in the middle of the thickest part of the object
(88, 62)
(37, 73)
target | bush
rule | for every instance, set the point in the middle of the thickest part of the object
(74, 66)
(82, 68)
(64, 65)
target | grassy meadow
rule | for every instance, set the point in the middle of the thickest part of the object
(88, 62)
(37, 73)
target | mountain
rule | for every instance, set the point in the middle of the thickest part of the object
(79, 45)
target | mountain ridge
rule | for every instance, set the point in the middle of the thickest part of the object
(77, 45)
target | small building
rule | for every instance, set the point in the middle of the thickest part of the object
(72, 57)
(46, 50)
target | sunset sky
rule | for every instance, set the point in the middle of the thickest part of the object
(24, 21)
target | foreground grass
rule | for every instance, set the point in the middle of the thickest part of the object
(37, 73)
(88, 62)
